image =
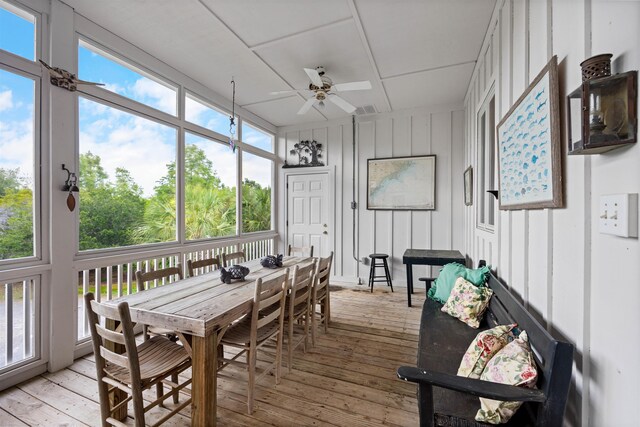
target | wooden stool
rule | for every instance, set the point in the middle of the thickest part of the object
(374, 265)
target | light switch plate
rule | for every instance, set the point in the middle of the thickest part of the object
(618, 214)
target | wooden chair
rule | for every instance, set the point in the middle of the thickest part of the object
(142, 279)
(298, 309)
(233, 258)
(320, 296)
(136, 369)
(264, 323)
(300, 250)
(193, 266)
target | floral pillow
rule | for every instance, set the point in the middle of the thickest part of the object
(484, 346)
(512, 365)
(467, 302)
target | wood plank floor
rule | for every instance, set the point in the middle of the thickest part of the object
(348, 379)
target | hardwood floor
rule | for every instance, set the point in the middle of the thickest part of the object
(348, 379)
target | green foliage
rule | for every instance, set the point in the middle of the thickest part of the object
(256, 207)
(10, 181)
(108, 212)
(16, 223)
(115, 213)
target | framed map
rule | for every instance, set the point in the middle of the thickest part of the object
(401, 183)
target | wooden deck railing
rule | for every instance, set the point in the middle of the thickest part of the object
(113, 275)
(17, 321)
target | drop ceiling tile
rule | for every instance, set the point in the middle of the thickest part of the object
(437, 87)
(284, 111)
(419, 35)
(259, 21)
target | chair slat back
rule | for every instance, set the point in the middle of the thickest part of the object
(269, 300)
(106, 342)
(323, 271)
(233, 258)
(301, 284)
(300, 250)
(165, 273)
(193, 266)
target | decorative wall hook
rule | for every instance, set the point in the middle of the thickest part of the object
(70, 185)
(64, 79)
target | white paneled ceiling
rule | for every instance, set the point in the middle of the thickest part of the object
(414, 52)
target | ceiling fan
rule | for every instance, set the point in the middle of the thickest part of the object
(323, 88)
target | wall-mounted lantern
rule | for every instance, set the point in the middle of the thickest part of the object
(602, 111)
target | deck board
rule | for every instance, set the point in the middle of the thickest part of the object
(348, 379)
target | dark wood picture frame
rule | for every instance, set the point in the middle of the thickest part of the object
(468, 186)
(402, 187)
(529, 146)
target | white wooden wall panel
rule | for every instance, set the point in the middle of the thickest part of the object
(615, 264)
(421, 220)
(382, 230)
(413, 132)
(555, 258)
(401, 220)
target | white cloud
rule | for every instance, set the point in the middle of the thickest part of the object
(155, 94)
(257, 169)
(16, 146)
(141, 146)
(6, 100)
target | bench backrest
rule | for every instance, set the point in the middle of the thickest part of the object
(553, 357)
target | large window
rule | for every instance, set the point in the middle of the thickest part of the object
(210, 188)
(127, 178)
(134, 170)
(17, 109)
(258, 138)
(486, 163)
(200, 113)
(256, 193)
(96, 65)
(17, 31)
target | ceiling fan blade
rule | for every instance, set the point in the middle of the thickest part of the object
(363, 85)
(314, 76)
(307, 106)
(281, 92)
(342, 103)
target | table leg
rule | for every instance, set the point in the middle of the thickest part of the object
(203, 388)
(409, 283)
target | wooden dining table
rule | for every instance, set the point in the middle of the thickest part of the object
(200, 306)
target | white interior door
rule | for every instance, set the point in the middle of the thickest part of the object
(308, 212)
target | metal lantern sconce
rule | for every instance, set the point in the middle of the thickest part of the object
(602, 111)
(70, 185)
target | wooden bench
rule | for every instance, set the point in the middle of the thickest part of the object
(446, 399)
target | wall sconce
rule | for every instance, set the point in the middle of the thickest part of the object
(602, 111)
(70, 185)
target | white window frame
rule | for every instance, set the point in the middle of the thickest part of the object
(487, 163)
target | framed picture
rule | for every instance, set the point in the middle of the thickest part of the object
(468, 186)
(401, 183)
(529, 151)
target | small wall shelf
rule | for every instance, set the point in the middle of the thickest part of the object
(602, 114)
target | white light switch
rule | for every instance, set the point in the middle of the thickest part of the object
(618, 214)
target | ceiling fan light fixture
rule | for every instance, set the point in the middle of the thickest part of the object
(321, 104)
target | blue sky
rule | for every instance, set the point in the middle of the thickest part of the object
(16, 97)
(121, 139)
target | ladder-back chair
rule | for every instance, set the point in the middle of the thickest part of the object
(320, 296)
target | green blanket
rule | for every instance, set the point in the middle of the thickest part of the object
(441, 287)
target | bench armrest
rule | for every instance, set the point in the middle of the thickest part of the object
(471, 386)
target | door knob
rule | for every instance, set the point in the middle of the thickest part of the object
(325, 232)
